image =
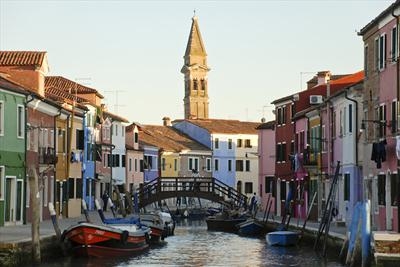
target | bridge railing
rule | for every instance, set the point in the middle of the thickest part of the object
(191, 186)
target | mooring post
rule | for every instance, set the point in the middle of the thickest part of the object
(33, 184)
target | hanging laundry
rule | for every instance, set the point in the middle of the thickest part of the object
(379, 153)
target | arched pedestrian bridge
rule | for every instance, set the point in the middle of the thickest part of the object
(200, 187)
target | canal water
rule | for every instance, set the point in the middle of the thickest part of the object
(193, 245)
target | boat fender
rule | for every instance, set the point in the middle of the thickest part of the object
(124, 237)
(146, 235)
(335, 212)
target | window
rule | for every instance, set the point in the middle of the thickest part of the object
(229, 143)
(203, 84)
(269, 184)
(163, 164)
(346, 193)
(2, 174)
(79, 188)
(130, 164)
(334, 124)
(247, 165)
(195, 84)
(229, 165)
(123, 161)
(281, 152)
(292, 111)
(20, 121)
(148, 162)
(80, 139)
(193, 164)
(381, 189)
(136, 169)
(208, 164)
(350, 118)
(116, 160)
(175, 164)
(248, 187)
(302, 136)
(281, 111)
(376, 53)
(105, 160)
(216, 143)
(393, 123)
(247, 143)
(123, 130)
(239, 165)
(382, 118)
(344, 120)
(1, 118)
(239, 143)
(393, 189)
(382, 51)
(141, 163)
(395, 50)
(283, 190)
(71, 188)
(136, 137)
(216, 167)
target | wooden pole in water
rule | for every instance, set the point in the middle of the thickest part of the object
(33, 185)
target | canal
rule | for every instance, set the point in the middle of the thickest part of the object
(193, 245)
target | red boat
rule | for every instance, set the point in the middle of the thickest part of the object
(90, 240)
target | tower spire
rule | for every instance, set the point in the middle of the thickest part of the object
(195, 70)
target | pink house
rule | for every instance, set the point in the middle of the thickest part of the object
(266, 166)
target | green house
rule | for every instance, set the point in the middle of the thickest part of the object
(12, 152)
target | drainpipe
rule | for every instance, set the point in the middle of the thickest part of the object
(397, 96)
(26, 146)
(359, 195)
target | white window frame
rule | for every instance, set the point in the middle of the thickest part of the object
(195, 161)
(394, 54)
(208, 164)
(21, 123)
(382, 50)
(2, 118)
(216, 165)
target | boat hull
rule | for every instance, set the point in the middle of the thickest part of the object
(282, 238)
(250, 227)
(91, 240)
(224, 225)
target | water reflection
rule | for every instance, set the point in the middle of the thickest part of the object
(193, 245)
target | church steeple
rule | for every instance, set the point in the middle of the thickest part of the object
(195, 70)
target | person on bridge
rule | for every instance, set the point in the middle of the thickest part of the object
(252, 203)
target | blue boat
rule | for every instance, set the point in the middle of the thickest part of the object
(250, 227)
(282, 238)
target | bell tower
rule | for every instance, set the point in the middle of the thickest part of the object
(195, 71)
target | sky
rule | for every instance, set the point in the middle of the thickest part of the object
(132, 51)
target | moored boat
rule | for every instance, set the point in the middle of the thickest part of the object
(226, 221)
(250, 227)
(282, 238)
(90, 240)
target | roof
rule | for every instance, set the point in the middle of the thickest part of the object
(22, 58)
(270, 125)
(68, 85)
(12, 86)
(335, 86)
(226, 126)
(195, 45)
(383, 14)
(169, 139)
(114, 117)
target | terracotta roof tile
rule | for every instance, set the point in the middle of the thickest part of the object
(266, 125)
(168, 139)
(68, 85)
(226, 126)
(21, 58)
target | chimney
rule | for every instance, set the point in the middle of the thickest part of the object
(166, 121)
(323, 77)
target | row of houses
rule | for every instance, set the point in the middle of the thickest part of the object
(352, 119)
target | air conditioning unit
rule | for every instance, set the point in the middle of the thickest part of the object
(316, 99)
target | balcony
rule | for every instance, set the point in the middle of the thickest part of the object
(47, 155)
